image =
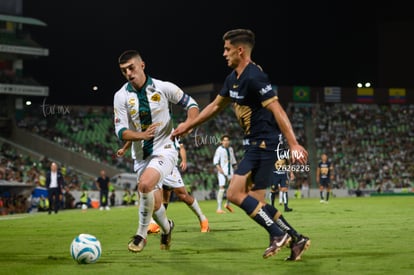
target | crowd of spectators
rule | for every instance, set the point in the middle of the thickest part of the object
(371, 145)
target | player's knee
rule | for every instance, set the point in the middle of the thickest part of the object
(232, 195)
(145, 186)
(187, 199)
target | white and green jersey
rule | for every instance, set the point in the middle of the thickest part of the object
(136, 110)
(225, 158)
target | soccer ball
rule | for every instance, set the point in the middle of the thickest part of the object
(85, 249)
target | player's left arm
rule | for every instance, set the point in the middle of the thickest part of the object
(332, 170)
(298, 152)
(124, 149)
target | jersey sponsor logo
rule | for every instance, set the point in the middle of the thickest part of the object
(235, 94)
(265, 89)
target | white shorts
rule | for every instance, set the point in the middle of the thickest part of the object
(174, 180)
(164, 163)
(223, 180)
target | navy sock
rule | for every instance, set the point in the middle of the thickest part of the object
(262, 217)
(273, 197)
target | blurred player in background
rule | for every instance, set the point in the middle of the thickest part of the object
(324, 175)
(282, 173)
(262, 118)
(142, 115)
(224, 160)
(102, 184)
(281, 177)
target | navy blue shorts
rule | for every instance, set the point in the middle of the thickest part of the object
(280, 179)
(260, 163)
(324, 182)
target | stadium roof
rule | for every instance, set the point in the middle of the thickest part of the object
(21, 19)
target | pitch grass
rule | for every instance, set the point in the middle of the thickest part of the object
(372, 235)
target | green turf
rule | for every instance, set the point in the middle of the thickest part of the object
(371, 235)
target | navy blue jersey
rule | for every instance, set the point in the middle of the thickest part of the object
(250, 92)
(325, 170)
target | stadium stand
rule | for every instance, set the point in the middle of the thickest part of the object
(371, 145)
(332, 128)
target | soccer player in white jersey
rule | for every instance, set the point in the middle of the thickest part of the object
(224, 160)
(142, 115)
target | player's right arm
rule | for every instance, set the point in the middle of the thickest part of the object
(121, 120)
(218, 104)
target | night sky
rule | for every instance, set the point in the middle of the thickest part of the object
(313, 43)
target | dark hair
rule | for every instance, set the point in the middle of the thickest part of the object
(244, 36)
(224, 136)
(127, 55)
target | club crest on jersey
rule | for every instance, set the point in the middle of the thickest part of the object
(156, 97)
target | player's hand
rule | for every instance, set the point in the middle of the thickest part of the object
(120, 152)
(298, 154)
(183, 166)
(149, 133)
(181, 131)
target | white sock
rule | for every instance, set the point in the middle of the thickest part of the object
(280, 197)
(146, 207)
(197, 210)
(160, 216)
(220, 198)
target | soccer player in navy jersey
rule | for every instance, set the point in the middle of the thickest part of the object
(262, 118)
(324, 175)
